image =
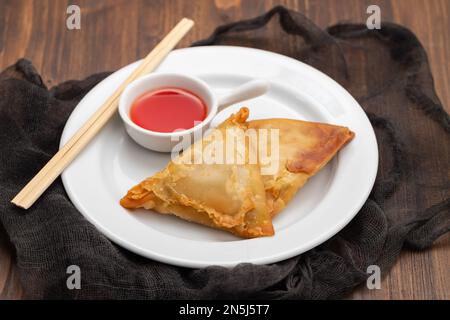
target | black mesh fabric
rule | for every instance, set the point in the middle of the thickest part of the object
(386, 70)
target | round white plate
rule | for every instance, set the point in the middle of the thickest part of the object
(112, 163)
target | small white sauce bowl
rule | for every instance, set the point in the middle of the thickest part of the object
(166, 141)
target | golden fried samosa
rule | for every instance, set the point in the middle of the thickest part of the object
(304, 148)
(225, 196)
(241, 197)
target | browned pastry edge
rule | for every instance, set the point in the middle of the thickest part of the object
(307, 162)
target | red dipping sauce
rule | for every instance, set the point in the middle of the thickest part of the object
(167, 109)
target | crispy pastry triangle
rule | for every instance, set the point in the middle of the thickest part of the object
(237, 197)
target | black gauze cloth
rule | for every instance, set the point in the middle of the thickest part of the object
(386, 70)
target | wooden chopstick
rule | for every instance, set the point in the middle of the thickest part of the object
(44, 178)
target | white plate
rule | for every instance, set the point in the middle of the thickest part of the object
(112, 163)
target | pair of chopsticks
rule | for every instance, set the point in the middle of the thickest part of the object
(44, 178)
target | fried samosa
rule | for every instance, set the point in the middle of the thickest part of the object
(241, 197)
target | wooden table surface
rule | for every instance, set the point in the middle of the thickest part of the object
(109, 39)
